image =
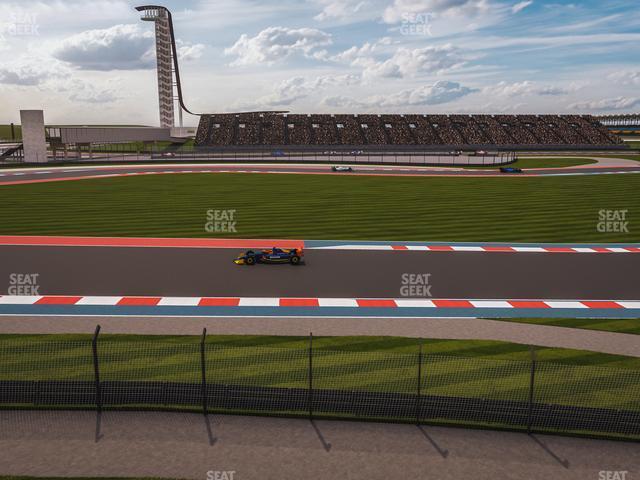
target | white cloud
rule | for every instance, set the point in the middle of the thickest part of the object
(436, 94)
(398, 11)
(628, 77)
(412, 62)
(617, 103)
(25, 75)
(121, 47)
(518, 7)
(277, 43)
(79, 90)
(289, 91)
(341, 9)
(518, 89)
(188, 51)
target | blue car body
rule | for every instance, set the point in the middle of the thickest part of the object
(271, 255)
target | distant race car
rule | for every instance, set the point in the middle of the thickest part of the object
(341, 168)
(294, 256)
(510, 170)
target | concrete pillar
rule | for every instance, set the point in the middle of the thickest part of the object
(33, 137)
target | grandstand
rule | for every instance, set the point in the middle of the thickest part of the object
(404, 132)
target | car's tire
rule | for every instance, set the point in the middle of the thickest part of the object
(295, 260)
(251, 260)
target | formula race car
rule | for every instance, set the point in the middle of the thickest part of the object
(294, 256)
(341, 168)
(510, 170)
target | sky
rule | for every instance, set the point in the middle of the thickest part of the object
(92, 62)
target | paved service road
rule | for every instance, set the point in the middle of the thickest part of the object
(178, 445)
(327, 273)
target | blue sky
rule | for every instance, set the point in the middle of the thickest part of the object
(92, 62)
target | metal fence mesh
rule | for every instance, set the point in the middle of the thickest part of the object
(302, 381)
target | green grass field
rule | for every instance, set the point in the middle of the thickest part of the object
(560, 209)
(627, 325)
(5, 132)
(484, 369)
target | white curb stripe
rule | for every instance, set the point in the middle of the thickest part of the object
(19, 299)
(98, 301)
(322, 302)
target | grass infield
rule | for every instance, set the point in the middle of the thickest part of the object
(559, 209)
(630, 325)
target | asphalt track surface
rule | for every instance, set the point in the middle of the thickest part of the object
(178, 445)
(327, 273)
(44, 174)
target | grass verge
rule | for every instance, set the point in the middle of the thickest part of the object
(559, 209)
(629, 325)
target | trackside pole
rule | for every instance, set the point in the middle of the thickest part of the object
(531, 389)
(203, 371)
(419, 389)
(96, 369)
(310, 392)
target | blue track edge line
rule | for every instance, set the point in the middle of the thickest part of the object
(195, 311)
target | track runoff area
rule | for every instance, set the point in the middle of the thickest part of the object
(197, 277)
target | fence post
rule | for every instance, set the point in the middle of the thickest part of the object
(203, 371)
(310, 392)
(419, 390)
(531, 389)
(96, 369)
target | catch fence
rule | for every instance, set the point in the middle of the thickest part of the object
(313, 382)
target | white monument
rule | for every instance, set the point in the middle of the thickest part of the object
(33, 136)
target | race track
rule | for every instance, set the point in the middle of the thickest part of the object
(50, 174)
(197, 272)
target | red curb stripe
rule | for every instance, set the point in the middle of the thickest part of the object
(440, 248)
(498, 249)
(527, 304)
(54, 300)
(633, 249)
(560, 250)
(299, 302)
(399, 247)
(139, 301)
(601, 304)
(452, 304)
(601, 250)
(149, 242)
(219, 302)
(376, 303)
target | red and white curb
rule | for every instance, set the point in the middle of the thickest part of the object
(483, 248)
(63, 241)
(131, 301)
